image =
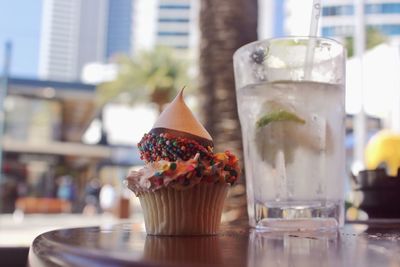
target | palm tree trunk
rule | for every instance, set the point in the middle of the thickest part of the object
(225, 26)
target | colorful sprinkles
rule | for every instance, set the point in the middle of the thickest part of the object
(165, 146)
(181, 174)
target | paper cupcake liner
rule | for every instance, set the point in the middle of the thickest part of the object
(193, 211)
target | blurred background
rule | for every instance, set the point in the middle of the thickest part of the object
(83, 80)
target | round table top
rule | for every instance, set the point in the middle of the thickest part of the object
(373, 244)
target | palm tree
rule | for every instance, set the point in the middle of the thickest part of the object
(153, 76)
(225, 26)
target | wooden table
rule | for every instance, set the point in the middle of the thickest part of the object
(357, 244)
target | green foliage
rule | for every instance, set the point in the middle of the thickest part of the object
(373, 38)
(154, 76)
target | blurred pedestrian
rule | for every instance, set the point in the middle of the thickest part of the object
(66, 188)
(92, 194)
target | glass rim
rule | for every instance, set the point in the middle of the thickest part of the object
(302, 37)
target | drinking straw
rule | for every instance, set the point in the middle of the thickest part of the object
(315, 14)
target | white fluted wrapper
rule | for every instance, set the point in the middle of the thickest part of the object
(194, 211)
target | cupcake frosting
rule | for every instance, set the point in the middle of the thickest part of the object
(178, 117)
(180, 174)
(176, 135)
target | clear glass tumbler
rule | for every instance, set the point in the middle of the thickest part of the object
(290, 94)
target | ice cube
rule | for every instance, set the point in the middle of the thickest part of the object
(311, 134)
(290, 134)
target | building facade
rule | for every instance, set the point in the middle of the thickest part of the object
(382, 15)
(77, 32)
(72, 34)
(120, 27)
(173, 23)
(270, 18)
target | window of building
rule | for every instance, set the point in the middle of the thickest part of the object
(181, 47)
(173, 33)
(348, 10)
(337, 30)
(173, 20)
(387, 8)
(28, 119)
(388, 29)
(344, 10)
(174, 6)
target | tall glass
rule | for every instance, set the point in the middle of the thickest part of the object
(290, 94)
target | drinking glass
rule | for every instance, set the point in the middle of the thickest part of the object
(290, 95)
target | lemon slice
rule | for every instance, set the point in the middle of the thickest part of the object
(279, 138)
(280, 115)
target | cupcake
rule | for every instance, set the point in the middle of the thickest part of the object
(183, 185)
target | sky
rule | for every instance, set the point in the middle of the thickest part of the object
(20, 23)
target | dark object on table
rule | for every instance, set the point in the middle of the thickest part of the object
(377, 193)
(14, 256)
